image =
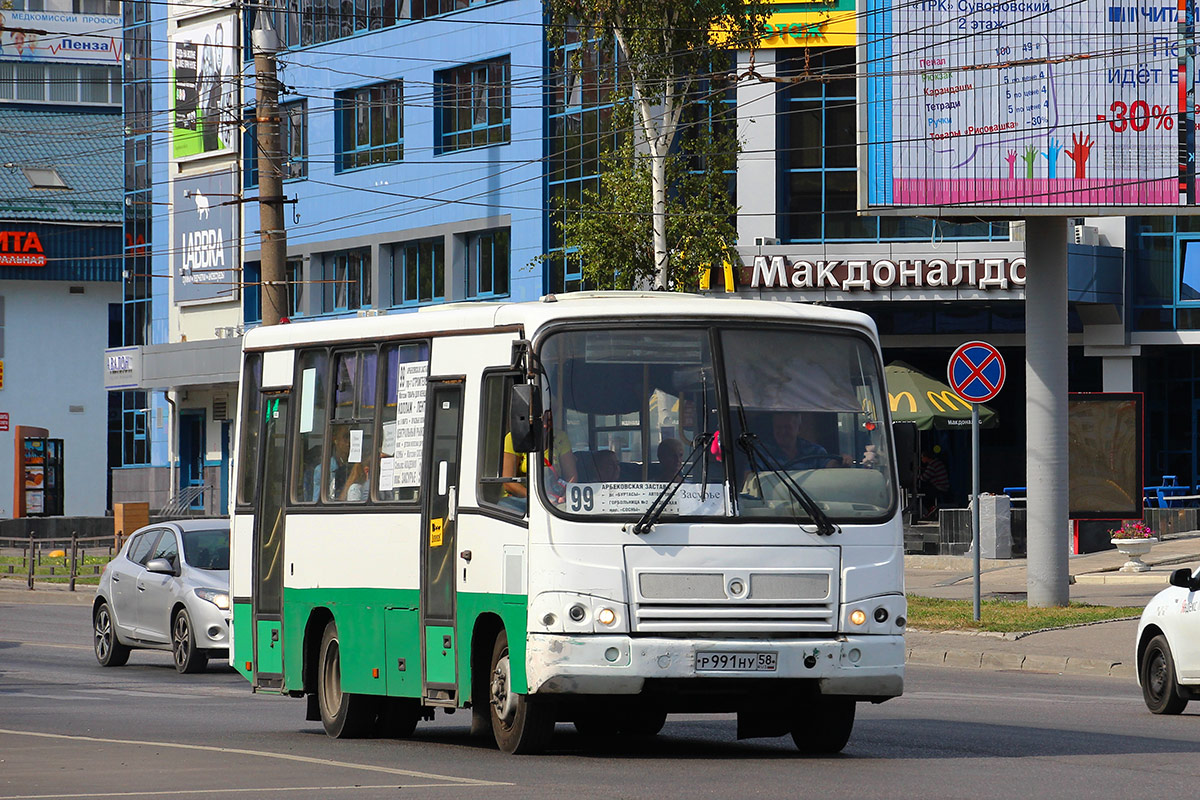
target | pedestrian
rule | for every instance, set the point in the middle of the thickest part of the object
(933, 482)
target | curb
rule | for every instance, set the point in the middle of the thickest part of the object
(997, 661)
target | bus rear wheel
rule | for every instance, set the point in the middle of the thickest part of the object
(344, 715)
(520, 724)
(823, 724)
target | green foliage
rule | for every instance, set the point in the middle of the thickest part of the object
(610, 228)
(936, 614)
(622, 234)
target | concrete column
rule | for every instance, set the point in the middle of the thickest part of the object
(1046, 410)
(1118, 373)
(756, 166)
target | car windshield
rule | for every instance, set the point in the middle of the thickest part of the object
(207, 549)
(627, 407)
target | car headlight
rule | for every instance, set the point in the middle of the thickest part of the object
(217, 597)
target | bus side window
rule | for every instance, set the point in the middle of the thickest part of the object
(351, 453)
(250, 421)
(307, 464)
(405, 368)
(496, 488)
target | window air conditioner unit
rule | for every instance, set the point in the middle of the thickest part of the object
(1087, 234)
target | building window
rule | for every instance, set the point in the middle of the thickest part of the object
(293, 139)
(474, 105)
(817, 159)
(370, 125)
(109, 7)
(135, 428)
(487, 264)
(59, 83)
(252, 290)
(432, 8)
(347, 280)
(419, 272)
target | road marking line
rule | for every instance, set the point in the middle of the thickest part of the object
(262, 754)
(212, 792)
(22, 643)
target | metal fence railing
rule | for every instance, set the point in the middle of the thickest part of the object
(56, 560)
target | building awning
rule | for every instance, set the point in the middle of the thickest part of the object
(180, 365)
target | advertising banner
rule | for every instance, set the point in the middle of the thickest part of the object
(205, 88)
(57, 37)
(810, 23)
(1028, 104)
(205, 256)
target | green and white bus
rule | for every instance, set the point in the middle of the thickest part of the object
(595, 509)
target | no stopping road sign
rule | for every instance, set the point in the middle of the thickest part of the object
(976, 372)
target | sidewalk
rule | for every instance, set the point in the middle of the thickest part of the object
(1104, 648)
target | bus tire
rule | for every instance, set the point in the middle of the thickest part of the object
(520, 724)
(822, 725)
(398, 717)
(344, 715)
(643, 722)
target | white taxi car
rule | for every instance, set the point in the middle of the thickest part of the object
(1168, 645)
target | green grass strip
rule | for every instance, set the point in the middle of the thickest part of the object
(1005, 616)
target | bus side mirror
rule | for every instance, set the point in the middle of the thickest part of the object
(525, 418)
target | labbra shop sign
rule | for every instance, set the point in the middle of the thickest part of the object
(850, 275)
(21, 249)
(205, 253)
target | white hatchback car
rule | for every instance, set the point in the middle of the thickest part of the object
(1168, 645)
(168, 589)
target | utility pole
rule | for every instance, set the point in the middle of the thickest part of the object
(272, 235)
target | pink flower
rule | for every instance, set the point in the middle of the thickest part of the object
(1134, 529)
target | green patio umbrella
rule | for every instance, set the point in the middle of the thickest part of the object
(916, 397)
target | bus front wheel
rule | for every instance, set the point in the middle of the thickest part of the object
(344, 715)
(822, 725)
(520, 724)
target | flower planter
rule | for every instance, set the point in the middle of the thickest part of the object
(1134, 549)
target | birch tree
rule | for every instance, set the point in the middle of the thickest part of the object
(665, 46)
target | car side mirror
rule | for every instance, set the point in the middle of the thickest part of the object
(1182, 578)
(525, 418)
(160, 566)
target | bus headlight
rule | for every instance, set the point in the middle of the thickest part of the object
(606, 616)
(858, 616)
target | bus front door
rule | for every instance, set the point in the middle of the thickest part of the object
(268, 545)
(439, 513)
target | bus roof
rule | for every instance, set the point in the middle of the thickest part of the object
(530, 316)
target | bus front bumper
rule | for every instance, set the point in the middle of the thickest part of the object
(864, 666)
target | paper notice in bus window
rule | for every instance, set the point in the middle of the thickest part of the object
(308, 388)
(635, 498)
(356, 439)
(410, 423)
(386, 474)
(388, 447)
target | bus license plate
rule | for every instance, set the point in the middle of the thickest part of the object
(736, 662)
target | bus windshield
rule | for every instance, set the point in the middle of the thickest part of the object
(778, 413)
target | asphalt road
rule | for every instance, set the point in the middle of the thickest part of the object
(69, 729)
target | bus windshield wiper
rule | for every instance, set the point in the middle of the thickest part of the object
(755, 452)
(660, 503)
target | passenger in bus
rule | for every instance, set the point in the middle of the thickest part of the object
(792, 450)
(347, 480)
(560, 470)
(670, 459)
(608, 466)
